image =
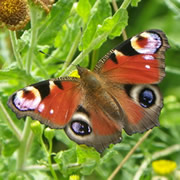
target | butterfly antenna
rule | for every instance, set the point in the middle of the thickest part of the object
(49, 55)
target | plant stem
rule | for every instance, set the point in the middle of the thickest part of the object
(72, 51)
(10, 122)
(84, 53)
(22, 152)
(173, 70)
(129, 154)
(156, 155)
(94, 58)
(14, 44)
(114, 5)
(50, 162)
(125, 4)
(34, 31)
(41, 167)
(49, 157)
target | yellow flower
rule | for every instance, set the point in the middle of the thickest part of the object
(74, 177)
(164, 167)
(14, 13)
(74, 74)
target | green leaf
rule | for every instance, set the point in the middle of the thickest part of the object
(134, 3)
(88, 157)
(113, 26)
(67, 161)
(53, 23)
(14, 78)
(14, 73)
(86, 154)
(121, 19)
(60, 135)
(99, 12)
(83, 9)
(9, 146)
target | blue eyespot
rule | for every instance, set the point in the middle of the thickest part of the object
(147, 98)
(81, 128)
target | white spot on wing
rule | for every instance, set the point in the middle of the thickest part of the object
(51, 111)
(41, 107)
(148, 57)
(147, 66)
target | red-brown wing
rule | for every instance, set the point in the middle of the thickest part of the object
(52, 102)
(138, 60)
(91, 126)
(141, 105)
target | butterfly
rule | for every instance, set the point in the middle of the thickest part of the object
(120, 93)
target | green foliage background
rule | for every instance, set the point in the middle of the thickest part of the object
(94, 27)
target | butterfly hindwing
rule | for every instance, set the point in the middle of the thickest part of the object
(92, 127)
(137, 60)
(52, 102)
(141, 105)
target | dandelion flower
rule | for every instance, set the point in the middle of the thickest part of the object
(74, 177)
(164, 167)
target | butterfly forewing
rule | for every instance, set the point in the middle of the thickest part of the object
(52, 102)
(138, 60)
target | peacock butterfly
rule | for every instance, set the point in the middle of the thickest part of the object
(120, 93)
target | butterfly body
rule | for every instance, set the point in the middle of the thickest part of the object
(95, 92)
(120, 93)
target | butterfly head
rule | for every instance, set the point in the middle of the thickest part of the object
(81, 70)
(89, 79)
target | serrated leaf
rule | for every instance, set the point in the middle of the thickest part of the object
(88, 158)
(83, 9)
(122, 18)
(99, 12)
(57, 17)
(88, 167)
(108, 156)
(14, 77)
(113, 26)
(66, 157)
(86, 154)
(67, 161)
(15, 73)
